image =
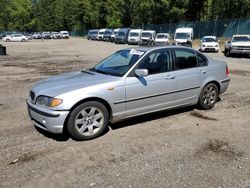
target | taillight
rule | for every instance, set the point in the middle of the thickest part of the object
(227, 71)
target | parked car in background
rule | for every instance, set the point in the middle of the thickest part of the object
(184, 36)
(209, 43)
(2, 35)
(92, 33)
(46, 35)
(240, 44)
(134, 36)
(64, 34)
(147, 37)
(15, 38)
(107, 34)
(100, 34)
(114, 33)
(122, 36)
(128, 83)
(162, 39)
(55, 35)
(37, 35)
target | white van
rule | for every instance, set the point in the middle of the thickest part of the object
(114, 33)
(64, 34)
(134, 36)
(101, 34)
(184, 36)
(162, 39)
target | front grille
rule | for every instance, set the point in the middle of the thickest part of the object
(242, 47)
(32, 95)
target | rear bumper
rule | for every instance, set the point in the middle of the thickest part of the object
(209, 49)
(224, 85)
(49, 120)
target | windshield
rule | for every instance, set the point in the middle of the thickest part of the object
(148, 35)
(107, 33)
(162, 36)
(241, 39)
(209, 40)
(120, 34)
(101, 33)
(182, 36)
(118, 63)
(134, 34)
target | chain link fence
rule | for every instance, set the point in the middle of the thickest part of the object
(219, 28)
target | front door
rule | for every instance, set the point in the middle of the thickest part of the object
(152, 92)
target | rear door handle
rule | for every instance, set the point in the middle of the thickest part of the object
(170, 77)
(203, 72)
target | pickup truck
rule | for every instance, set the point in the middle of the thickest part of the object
(240, 44)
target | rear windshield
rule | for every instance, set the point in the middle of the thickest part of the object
(134, 34)
(121, 34)
(241, 39)
(161, 36)
(146, 34)
(209, 40)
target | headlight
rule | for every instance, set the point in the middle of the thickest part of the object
(216, 45)
(48, 101)
(203, 45)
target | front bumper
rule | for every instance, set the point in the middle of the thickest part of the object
(209, 49)
(240, 50)
(49, 120)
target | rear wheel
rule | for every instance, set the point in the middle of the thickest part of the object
(23, 40)
(208, 96)
(227, 53)
(7, 40)
(88, 120)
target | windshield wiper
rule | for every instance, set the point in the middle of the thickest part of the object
(99, 71)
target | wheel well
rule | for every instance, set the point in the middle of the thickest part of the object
(217, 84)
(105, 103)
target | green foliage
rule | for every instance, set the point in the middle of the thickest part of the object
(79, 15)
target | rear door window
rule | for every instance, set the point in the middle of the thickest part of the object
(185, 59)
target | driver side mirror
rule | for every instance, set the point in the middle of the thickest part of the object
(141, 72)
(229, 41)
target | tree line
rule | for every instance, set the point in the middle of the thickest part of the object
(77, 15)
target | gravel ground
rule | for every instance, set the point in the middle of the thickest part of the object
(180, 148)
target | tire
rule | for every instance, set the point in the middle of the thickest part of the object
(23, 40)
(7, 40)
(91, 113)
(208, 96)
(227, 53)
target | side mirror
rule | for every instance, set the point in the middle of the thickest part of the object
(141, 72)
(229, 41)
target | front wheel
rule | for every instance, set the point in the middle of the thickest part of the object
(227, 53)
(208, 96)
(88, 120)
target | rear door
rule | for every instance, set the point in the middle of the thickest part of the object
(152, 92)
(190, 73)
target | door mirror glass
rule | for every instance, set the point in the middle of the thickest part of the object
(141, 72)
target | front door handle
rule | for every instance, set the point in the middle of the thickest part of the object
(203, 72)
(170, 77)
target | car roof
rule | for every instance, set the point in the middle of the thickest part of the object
(152, 48)
(241, 36)
(209, 37)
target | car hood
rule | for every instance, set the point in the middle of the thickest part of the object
(181, 40)
(63, 83)
(240, 43)
(161, 40)
(210, 43)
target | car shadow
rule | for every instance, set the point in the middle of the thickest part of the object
(247, 56)
(150, 117)
(58, 137)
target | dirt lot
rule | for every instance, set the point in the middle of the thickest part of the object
(180, 148)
